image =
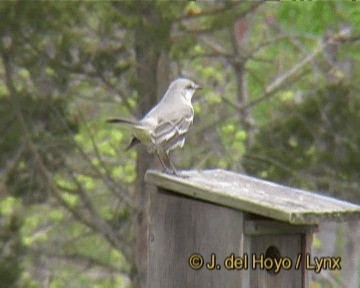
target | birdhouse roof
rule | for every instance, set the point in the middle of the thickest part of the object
(255, 196)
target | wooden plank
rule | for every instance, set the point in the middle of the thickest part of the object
(256, 196)
(289, 246)
(271, 227)
(306, 247)
(181, 226)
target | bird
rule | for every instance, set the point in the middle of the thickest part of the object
(165, 126)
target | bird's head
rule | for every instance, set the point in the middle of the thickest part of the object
(184, 87)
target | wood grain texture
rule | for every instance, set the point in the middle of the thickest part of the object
(181, 226)
(289, 246)
(256, 196)
(272, 227)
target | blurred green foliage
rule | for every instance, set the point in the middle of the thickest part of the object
(73, 66)
(319, 137)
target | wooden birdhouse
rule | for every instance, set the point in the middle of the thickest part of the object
(217, 228)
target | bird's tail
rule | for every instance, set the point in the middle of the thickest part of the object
(133, 124)
(122, 121)
(140, 133)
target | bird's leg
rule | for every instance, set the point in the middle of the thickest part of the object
(165, 161)
(171, 164)
(173, 169)
(161, 160)
(160, 156)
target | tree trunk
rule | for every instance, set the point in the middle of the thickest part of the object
(241, 32)
(150, 38)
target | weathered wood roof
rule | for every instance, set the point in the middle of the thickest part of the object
(256, 196)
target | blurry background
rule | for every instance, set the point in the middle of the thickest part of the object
(280, 101)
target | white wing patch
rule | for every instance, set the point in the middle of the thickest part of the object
(170, 134)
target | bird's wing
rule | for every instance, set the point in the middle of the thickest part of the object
(171, 129)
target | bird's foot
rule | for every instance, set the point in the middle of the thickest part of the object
(174, 172)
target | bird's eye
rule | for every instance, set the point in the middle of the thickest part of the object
(189, 87)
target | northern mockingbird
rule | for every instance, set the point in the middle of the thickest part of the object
(165, 126)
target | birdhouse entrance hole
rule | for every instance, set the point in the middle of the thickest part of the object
(273, 253)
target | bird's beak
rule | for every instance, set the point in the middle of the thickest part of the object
(198, 87)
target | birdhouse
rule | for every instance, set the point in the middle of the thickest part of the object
(217, 228)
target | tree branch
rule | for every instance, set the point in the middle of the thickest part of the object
(109, 182)
(78, 259)
(282, 79)
(105, 231)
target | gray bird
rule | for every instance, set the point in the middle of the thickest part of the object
(164, 127)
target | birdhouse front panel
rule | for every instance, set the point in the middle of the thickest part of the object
(216, 228)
